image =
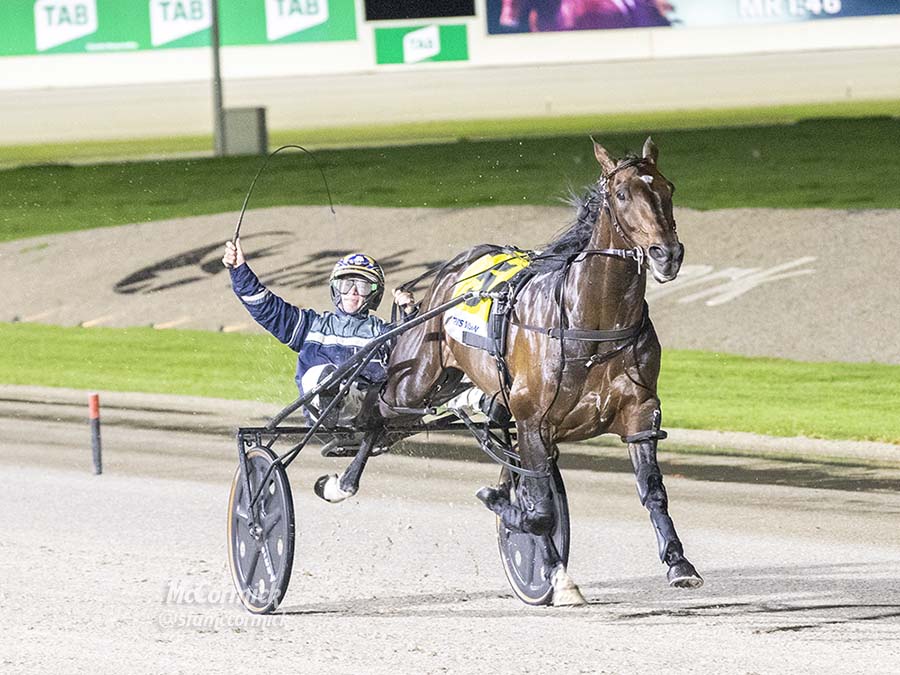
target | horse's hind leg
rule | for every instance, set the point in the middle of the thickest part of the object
(653, 496)
(334, 489)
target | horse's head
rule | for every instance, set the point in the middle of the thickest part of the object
(639, 201)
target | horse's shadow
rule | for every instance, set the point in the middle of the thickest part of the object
(787, 598)
(858, 477)
(409, 605)
(779, 599)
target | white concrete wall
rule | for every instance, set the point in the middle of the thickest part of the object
(292, 60)
(167, 92)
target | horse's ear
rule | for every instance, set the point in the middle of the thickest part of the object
(651, 152)
(606, 162)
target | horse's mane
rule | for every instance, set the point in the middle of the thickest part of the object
(575, 237)
(554, 255)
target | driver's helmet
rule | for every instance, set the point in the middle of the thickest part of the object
(360, 266)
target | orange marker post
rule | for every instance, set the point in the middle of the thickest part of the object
(94, 407)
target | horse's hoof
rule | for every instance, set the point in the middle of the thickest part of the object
(565, 592)
(329, 489)
(683, 575)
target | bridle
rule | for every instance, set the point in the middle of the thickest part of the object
(636, 252)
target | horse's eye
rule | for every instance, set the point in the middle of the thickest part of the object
(620, 195)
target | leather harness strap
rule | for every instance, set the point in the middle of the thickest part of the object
(585, 335)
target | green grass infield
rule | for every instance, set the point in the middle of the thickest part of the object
(837, 163)
(699, 390)
(451, 131)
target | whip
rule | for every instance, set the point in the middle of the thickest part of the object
(237, 229)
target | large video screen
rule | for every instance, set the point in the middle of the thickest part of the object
(377, 10)
(528, 16)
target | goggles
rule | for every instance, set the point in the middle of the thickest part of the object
(362, 286)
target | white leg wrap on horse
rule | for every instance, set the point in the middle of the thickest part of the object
(565, 592)
(332, 490)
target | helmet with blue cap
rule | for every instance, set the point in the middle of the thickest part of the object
(362, 267)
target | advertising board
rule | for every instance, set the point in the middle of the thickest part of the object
(416, 44)
(77, 26)
(523, 16)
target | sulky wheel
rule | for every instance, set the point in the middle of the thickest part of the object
(261, 540)
(523, 555)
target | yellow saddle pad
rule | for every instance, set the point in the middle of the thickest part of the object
(485, 274)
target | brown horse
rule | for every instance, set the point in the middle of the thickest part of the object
(596, 373)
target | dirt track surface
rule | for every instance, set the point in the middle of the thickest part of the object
(802, 284)
(126, 572)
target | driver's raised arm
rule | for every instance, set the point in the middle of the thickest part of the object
(287, 323)
(234, 254)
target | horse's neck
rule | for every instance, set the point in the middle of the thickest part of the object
(605, 292)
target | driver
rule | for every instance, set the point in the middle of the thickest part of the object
(323, 341)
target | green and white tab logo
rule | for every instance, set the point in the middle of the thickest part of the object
(421, 44)
(286, 17)
(172, 20)
(418, 44)
(57, 22)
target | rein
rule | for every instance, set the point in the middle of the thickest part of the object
(631, 333)
(636, 253)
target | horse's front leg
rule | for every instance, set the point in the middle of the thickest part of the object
(535, 513)
(335, 489)
(653, 496)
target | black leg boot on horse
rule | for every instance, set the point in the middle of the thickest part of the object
(535, 514)
(653, 496)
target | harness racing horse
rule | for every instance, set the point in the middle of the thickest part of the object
(581, 355)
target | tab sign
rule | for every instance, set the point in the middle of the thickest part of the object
(286, 17)
(172, 20)
(421, 44)
(57, 22)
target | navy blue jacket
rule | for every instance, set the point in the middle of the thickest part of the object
(318, 339)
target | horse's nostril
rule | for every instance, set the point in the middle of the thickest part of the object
(658, 253)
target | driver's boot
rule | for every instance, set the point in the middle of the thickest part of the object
(474, 401)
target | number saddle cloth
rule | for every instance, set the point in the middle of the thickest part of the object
(482, 322)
